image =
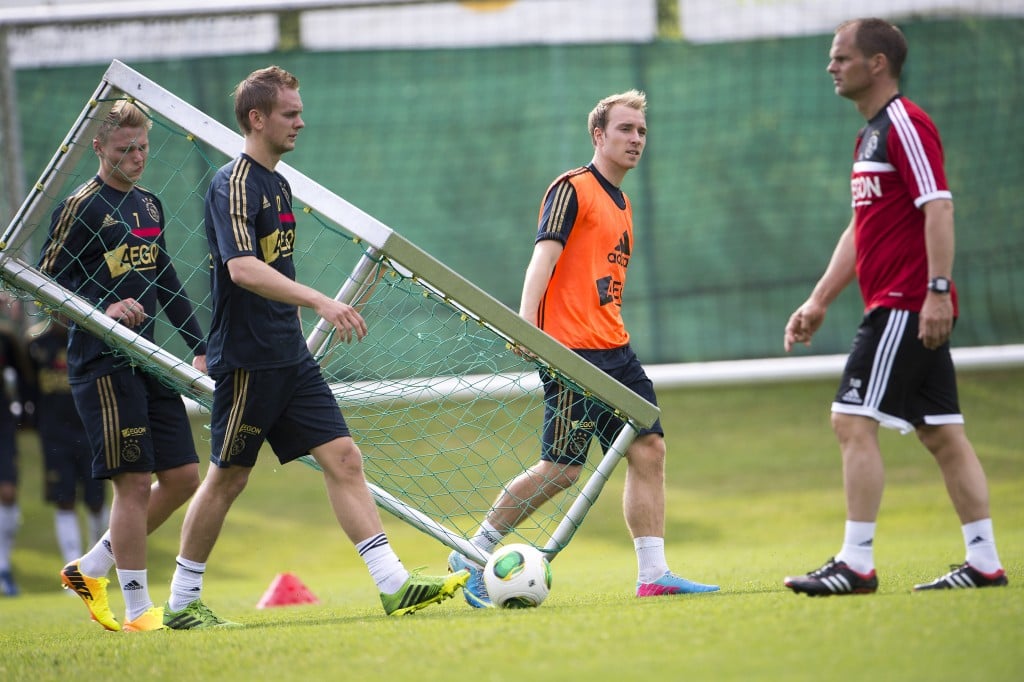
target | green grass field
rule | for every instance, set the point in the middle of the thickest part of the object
(754, 494)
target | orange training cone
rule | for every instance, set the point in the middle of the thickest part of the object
(286, 590)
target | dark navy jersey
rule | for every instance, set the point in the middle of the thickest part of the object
(106, 245)
(249, 213)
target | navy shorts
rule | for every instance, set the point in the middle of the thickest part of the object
(134, 423)
(572, 420)
(291, 408)
(8, 447)
(68, 465)
(892, 378)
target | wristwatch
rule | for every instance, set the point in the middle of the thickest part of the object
(940, 285)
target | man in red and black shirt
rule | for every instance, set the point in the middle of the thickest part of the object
(899, 247)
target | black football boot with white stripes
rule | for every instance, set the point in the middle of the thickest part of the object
(965, 576)
(835, 577)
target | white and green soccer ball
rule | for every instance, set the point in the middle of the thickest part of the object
(517, 576)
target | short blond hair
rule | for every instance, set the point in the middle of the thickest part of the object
(126, 113)
(598, 119)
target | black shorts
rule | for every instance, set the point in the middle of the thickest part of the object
(134, 423)
(291, 408)
(67, 461)
(8, 446)
(891, 377)
(572, 420)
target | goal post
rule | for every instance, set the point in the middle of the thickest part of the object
(443, 409)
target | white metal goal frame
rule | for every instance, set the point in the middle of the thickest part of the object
(382, 243)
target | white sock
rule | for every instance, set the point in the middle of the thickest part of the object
(486, 537)
(385, 567)
(858, 546)
(135, 588)
(186, 584)
(10, 519)
(98, 561)
(981, 546)
(97, 523)
(69, 536)
(650, 558)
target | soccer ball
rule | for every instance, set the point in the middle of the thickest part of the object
(517, 576)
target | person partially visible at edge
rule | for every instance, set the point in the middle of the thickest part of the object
(106, 243)
(12, 394)
(573, 291)
(899, 247)
(268, 387)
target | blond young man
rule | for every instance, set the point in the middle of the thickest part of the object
(573, 291)
(106, 243)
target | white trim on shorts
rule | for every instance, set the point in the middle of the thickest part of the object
(943, 419)
(878, 381)
(886, 420)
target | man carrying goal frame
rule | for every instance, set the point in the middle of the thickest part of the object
(107, 244)
(268, 385)
(573, 291)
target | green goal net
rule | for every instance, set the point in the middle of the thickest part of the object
(443, 409)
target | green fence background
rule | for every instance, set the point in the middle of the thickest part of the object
(740, 197)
